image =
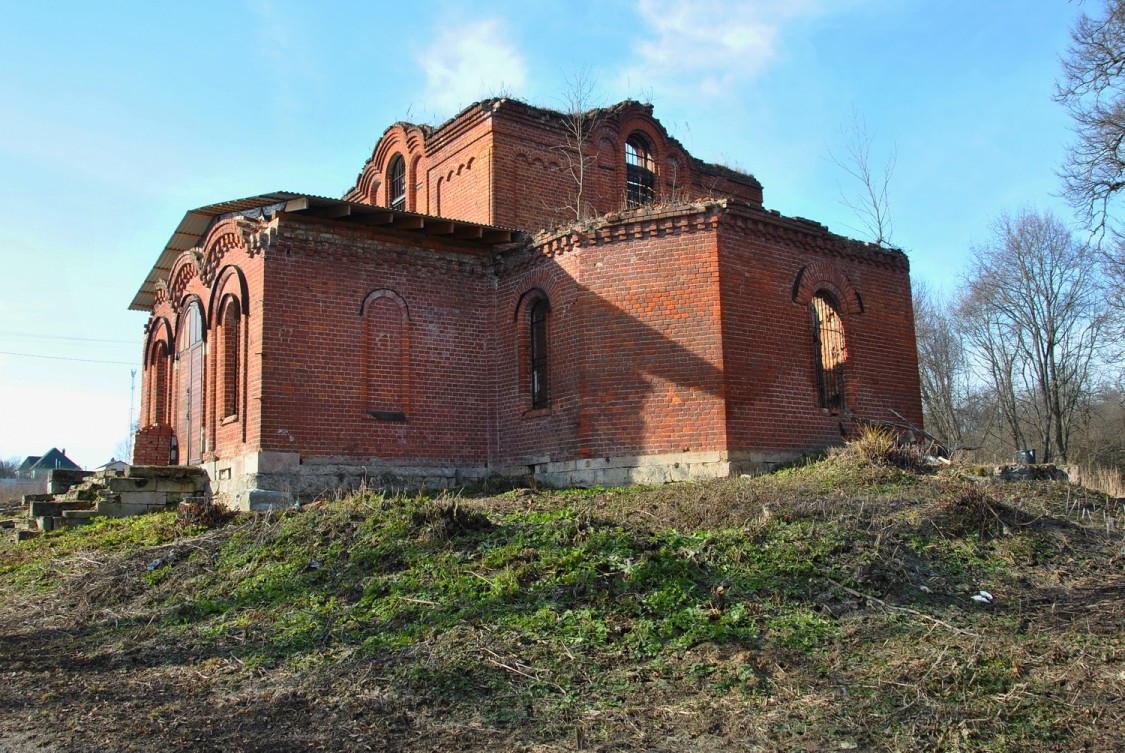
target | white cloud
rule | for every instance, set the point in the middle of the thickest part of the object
(468, 63)
(703, 46)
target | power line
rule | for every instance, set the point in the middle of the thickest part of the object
(34, 335)
(63, 358)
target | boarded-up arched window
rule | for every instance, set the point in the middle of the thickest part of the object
(830, 351)
(386, 345)
(158, 384)
(230, 345)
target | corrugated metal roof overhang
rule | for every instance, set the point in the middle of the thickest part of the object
(197, 222)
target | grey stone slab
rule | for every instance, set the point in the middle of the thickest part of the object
(165, 471)
(129, 484)
(35, 509)
(125, 509)
(263, 499)
(145, 498)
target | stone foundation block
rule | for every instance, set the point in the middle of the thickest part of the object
(125, 509)
(36, 509)
(263, 499)
(128, 484)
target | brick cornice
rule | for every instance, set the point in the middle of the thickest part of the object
(808, 235)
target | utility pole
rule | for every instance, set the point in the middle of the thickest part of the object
(132, 399)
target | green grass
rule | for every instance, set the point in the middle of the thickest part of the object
(533, 611)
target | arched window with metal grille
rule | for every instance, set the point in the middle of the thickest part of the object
(537, 350)
(831, 352)
(396, 183)
(640, 171)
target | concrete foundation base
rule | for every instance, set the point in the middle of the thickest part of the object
(272, 480)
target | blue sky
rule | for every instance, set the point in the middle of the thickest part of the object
(118, 117)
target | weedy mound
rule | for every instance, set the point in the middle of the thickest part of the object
(969, 508)
(880, 447)
(825, 607)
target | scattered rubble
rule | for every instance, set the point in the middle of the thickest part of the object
(74, 498)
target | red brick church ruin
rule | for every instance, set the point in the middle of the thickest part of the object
(449, 319)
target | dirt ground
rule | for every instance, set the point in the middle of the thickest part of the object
(91, 665)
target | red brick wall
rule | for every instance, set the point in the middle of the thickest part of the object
(671, 329)
(654, 349)
(635, 344)
(152, 445)
(314, 351)
(526, 435)
(509, 164)
(768, 338)
(223, 267)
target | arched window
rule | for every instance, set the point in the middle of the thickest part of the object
(537, 352)
(830, 350)
(640, 171)
(158, 384)
(396, 183)
(229, 346)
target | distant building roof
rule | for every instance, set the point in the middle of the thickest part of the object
(54, 459)
(28, 462)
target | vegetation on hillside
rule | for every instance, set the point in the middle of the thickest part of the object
(827, 606)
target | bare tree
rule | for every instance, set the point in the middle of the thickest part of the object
(870, 201)
(988, 338)
(1033, 316)
(1092, 89)
(942, 367)
(9, 467)
(581, 117)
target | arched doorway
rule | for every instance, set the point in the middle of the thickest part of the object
(189, 386)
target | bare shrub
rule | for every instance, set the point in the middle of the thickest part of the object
(969, 508)
(193, 513)
(442, 521)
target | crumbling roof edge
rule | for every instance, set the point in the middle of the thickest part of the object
(734, 207)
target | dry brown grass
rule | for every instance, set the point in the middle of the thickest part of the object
(1110, 481)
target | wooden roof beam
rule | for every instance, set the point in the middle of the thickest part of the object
(334, 212)
(469, 232)
(374, 218)
(497, 236)
(409, 222)
(440, 227)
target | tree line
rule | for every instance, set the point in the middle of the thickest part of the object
(1026, 353)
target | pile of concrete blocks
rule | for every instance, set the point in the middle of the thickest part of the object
(75, 497)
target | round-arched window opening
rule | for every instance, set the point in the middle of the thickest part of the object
(537, 319)
(640, 172)
(396, 183)
(831, 353)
